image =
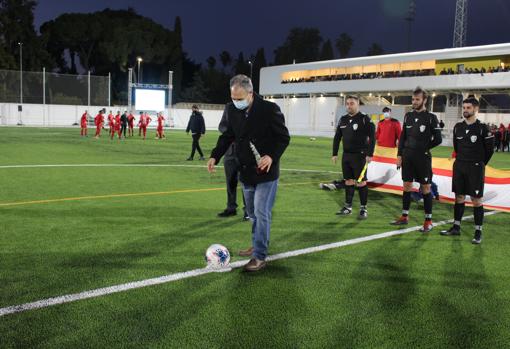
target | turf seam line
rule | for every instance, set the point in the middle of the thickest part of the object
(127, 195)
(146, 165)
(99, 292)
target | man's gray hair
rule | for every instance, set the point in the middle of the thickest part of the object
(242, 81)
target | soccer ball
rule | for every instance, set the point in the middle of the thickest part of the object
(217, 256)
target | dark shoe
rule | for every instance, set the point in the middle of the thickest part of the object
(227, 213)
(344, 211)
(189, 159)
(363, 214)
(246, 217)
(401, 221)
(477, 239)
(454, 230)
(246, 253)
(427, 226)
(254, 265)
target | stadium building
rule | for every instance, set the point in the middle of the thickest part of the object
(312, 95)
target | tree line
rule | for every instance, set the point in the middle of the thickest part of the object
(109, 41)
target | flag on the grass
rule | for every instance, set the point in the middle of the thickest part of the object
(384, 176)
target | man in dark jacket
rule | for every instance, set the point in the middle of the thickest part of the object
(231, 167)
(123, 124)
(196, 125)
(258, 129)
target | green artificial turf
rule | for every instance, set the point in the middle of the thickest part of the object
(409, 291)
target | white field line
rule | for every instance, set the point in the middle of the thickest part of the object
(145, 165)
(44, 303)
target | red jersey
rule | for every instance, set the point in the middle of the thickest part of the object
(117, 121)
(143, 120)
(388, 133)
(110, 119)
(147, 119)
(161, 119)
(131, 119)
(99, 119)
(84, 120)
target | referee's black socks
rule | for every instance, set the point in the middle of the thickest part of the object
(406, 203)
(427, 203)
(349, 194)
(478, 212)
(458, 212)
(363, 195)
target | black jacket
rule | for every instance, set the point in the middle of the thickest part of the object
(222, 127)
(196, 123)
(264, 126)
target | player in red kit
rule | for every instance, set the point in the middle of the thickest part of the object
(131, 124)
(388, 130)
(111, 124)
(140, 123)
(144, 121)
(159, 130)
(99, 122)
(83, 124)
(117, 124)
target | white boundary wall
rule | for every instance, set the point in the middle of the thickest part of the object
(67, 115)
(314, 116)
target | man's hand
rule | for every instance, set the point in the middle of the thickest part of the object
(334, 159)
(399, 162)
(369, 159)
(265, 163)
(210, 165)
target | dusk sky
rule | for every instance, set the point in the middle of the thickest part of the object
(210, 27)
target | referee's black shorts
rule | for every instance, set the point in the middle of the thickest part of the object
(352, 165)
(416, 166)
(468, 178)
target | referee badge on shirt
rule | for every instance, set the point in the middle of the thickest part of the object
(355, 127)
(473, 139)
(422, 128)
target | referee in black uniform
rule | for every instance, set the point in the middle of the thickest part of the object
(474, 146)
(357, 132)
(420, 133)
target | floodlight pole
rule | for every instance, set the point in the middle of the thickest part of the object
(411, 14)
(130, 83)
(44, 94)
(170, 91)
(88, 89)
(20, 72)
(109, 89)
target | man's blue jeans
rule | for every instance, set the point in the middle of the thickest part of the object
(259, 204)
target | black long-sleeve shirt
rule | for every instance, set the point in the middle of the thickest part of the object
(196, 123)
(473, 143)
(420, 132)
(357, 133)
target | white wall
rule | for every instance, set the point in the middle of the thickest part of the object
(314, 116)
(67, 115)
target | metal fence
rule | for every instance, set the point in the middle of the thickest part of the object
(52, 88)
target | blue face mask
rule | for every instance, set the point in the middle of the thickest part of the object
(387, 115)
(241, 105)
